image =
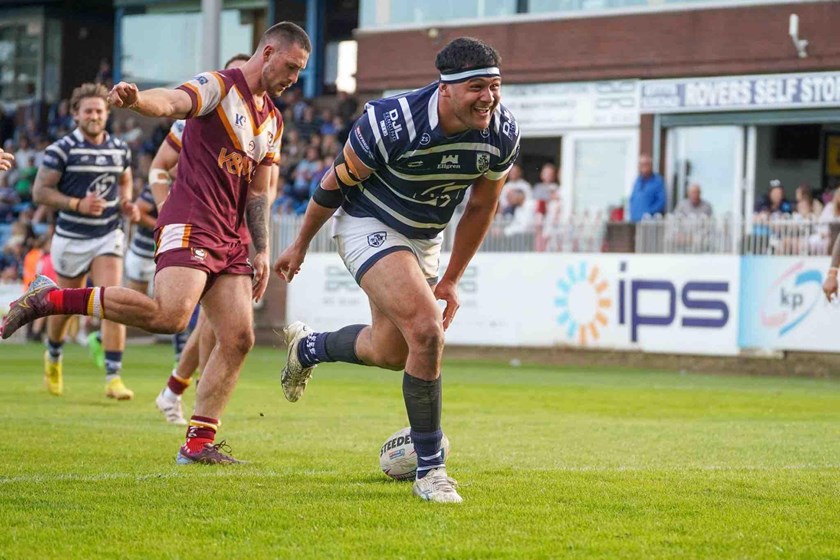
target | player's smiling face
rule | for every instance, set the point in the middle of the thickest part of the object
(281, 68)
(92, 116)
(473, 102)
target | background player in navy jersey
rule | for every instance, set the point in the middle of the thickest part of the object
(86, 176)
(404, 169)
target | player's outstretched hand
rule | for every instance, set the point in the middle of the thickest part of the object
(123, 95)
(261, 273)
(91, 205)
(447, 291)
(289, 261)
(830, 286)
(6, 160)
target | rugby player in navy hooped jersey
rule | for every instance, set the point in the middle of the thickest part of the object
(230, 140)
(86, 176)
(404, 169)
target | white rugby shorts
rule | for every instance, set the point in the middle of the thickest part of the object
(137, 268)
(72, 257)
(362, 242)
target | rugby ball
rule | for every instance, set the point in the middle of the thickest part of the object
(397, 458)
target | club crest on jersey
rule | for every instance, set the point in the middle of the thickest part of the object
(101, 186)
(377, 239)
(482, 162)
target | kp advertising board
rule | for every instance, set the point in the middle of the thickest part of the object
(783, 307)
(656, 303)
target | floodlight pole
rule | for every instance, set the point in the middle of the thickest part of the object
(211, 15)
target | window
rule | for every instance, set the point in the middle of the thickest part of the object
(175, 54)
(376, 13)
(20, 59)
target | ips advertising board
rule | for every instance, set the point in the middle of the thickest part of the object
(783, 307)
(656, 303)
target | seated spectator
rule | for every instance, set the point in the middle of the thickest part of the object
(512, 202)
(807, 206)
(648, 197)
(547, 185)
(25, 178)
(8, 200)
(133, 133)
(517, 183)
(347, 106)
(309, 124)
(25, 151)
(327, 123)
(62, 122)
(774, 202)
(693, 205)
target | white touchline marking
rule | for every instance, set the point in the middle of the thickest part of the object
(191, 472)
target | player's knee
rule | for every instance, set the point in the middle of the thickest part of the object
(240, 342)
(171, 321)
(427, 336)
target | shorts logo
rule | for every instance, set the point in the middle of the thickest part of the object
(482, 162)
(198, 254)
(425, 139)
(377, 239)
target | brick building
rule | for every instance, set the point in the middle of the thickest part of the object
(717, 91)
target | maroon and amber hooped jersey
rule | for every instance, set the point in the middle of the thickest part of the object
(224, 140)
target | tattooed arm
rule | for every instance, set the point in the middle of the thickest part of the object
(256, 216)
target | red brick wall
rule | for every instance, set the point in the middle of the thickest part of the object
(744, 40)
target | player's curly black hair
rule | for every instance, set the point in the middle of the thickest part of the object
(464, 53)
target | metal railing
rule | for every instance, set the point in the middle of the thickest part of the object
(576, 234)
(585, 233)
(754, 235)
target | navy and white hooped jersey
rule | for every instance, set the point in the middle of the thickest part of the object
(420, 175)
(86, 168)
(143, 240)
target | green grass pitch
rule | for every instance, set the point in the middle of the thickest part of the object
(553, 462)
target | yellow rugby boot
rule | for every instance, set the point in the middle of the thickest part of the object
(116, 389)
(52, 375)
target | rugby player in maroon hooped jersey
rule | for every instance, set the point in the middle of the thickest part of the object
(229, 144)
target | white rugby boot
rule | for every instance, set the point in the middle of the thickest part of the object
(172, 409)
(294, 376)
(437, 487)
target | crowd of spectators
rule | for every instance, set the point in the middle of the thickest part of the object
(313, 135)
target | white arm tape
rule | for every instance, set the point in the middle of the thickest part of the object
(158, 175)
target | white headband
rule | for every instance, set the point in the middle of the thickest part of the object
(488, 72)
